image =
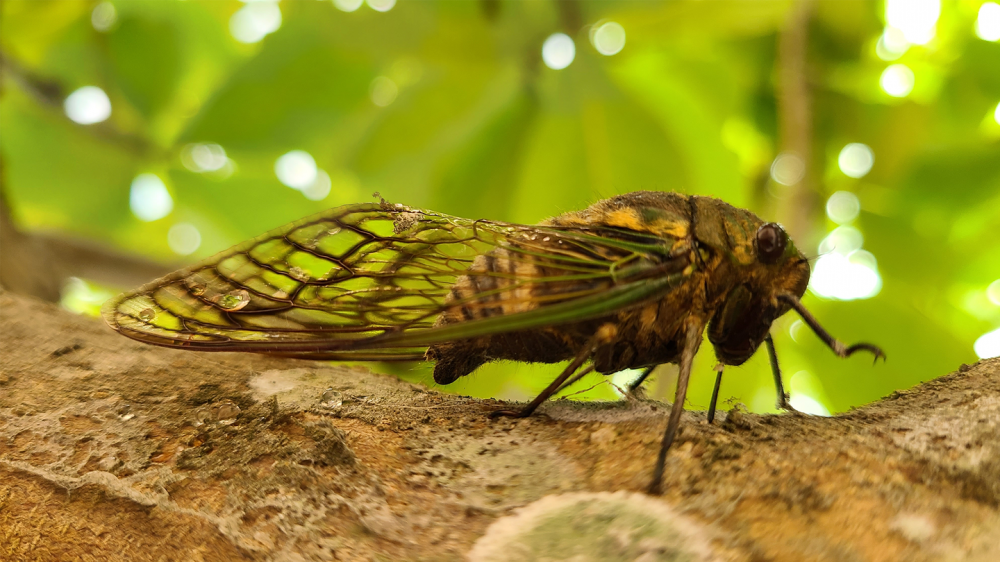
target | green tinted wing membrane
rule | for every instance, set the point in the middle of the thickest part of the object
(369, 281)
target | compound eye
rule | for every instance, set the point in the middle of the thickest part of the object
(771, 242)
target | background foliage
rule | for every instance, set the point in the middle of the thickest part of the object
(449, 106)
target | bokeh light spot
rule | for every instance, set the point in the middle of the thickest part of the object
(82, 297)
(897, 80)
(988, 345)
(856, 160)
(383, 91)
(255, 20)
(348, 5)
(996, 114)
(993, 292)
(805, 390)
(795, 330)
(988, 22)
(149, 198)
(842, 207)
(608, 38)
(296, 169)
(917, 19)
(891, 45)
(183, 238)
(88, 105)
(843, 240)
(558, 51)
(381, 5)
(850, 277)
(104, 16)
(319, 188)
(788, 169)
(203, 157)
(808, 405)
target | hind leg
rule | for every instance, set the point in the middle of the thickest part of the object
(605, 334)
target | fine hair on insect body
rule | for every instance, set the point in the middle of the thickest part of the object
(632, 281)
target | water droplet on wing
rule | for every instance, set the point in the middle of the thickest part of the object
(195, 288)
(147, 314)
(233, 300)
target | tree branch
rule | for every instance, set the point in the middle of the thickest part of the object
(114, 450)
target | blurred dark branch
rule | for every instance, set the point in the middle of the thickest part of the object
(38, 264)
(570, 16)
(795, 118)
(50, 94)
(44, 91)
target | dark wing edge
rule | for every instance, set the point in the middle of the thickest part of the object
(390, 274)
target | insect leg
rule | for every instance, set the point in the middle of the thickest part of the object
(837, 346)
(692, 339)
(715, 393)
(642, 378)
(575, 379)
(776, 371)
(581, 357)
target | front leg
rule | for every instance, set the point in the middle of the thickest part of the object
(782, 403)
(692, 339)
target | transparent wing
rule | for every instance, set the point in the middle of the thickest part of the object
(370, 281)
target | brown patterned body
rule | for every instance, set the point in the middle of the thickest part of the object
(709, 240)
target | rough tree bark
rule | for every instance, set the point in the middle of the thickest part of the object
(112, 450)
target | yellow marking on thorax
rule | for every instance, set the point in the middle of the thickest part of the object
(668, 229)
(625, 218)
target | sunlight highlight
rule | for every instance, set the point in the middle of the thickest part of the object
(917, 19)
(319, 188)
(204, 157)
(788, 169)
(856, 160)
(296, 169)
(88, 105)
(795, 330)
(103, 17)
(183, 238)
(558, 51)
(608, 38)
(993, 292)
(81, 297)
(897, 80)
(805, 391)
(988, 22)
(255, 20)
(988, 345)
(892, 44)
(383, 91)
(843, 240)
(348, 5)
(149, 198)
(808, 405)
(850, 277)
(842, 207)
(381, 5)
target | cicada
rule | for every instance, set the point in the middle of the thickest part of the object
(630, 282)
